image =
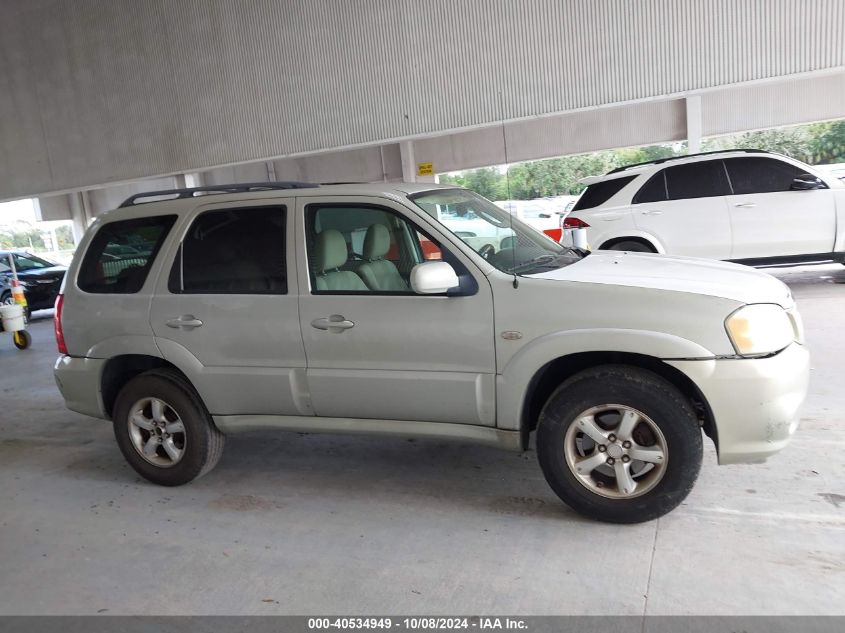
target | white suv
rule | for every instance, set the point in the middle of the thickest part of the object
(747, 206)
(372, 309)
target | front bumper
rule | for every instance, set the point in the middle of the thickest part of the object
(79, 381)
(754, 402)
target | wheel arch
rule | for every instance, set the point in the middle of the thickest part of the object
(548, 377)
(119, 370)
(609, 244)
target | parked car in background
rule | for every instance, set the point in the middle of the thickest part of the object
(40, 279)
(540, 214)
(746, 206)
(279, 306)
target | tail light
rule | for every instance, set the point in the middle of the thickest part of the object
(57, 322)
(574, 223)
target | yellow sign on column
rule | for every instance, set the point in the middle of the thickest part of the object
(425, 169)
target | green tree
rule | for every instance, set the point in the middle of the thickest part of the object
(29, 239)
(827, 144)
(795, 142)
(488, 182)
(64, 236)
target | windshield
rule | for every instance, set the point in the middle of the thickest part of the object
(22, 262)
(506, 242)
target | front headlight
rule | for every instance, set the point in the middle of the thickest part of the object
(760, 329)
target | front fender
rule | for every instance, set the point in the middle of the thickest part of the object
(515, 377)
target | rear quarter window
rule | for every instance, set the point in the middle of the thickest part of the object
(121, 254)
(598, 193)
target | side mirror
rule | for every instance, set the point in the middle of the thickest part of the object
(431, 278)
(806, 182)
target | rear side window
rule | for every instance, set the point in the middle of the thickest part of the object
(702, 179)
(599, 193)
(233, 251)
(121, 254)
(761, 175)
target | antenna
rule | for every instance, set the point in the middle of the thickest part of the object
(508, 184)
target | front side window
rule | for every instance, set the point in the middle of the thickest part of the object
(233, 251)
(121, 254)
(761, 175)
(503, 240)
(702, 179)
(364, 248)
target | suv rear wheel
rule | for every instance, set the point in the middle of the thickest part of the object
(619, 444)
(163, 429)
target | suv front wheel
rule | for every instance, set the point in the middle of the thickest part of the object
(619, 444)
(163, 429)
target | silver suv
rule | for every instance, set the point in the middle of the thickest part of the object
(371, 309)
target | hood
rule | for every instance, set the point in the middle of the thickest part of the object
(679, 274)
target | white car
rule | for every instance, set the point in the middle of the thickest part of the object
(746, 206)
(541, 215)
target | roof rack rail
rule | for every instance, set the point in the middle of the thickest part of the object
(670, 158)
(240, 187)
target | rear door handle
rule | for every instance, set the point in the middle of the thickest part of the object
(652, 212)
(745, 205)
(184, 322)
(336, 323)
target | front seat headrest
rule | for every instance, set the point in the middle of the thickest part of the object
(376, 242)
(330, 251)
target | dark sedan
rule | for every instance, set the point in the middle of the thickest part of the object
(41, 280)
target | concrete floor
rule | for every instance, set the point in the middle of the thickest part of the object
(311, 524)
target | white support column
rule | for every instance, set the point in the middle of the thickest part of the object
(694, 123)
(87, 208)
(409, 167)
(193, 180)
(77, 215)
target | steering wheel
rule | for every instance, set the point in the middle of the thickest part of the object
(487, 251)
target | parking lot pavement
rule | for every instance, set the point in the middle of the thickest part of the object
(310, 524)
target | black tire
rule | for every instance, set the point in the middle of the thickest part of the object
(664, 407)
(202, 441)
(22, 339)
(631, 245)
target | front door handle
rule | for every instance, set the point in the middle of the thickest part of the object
(184, 322)
(652, 212)
(745, 205)
(336, 323)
